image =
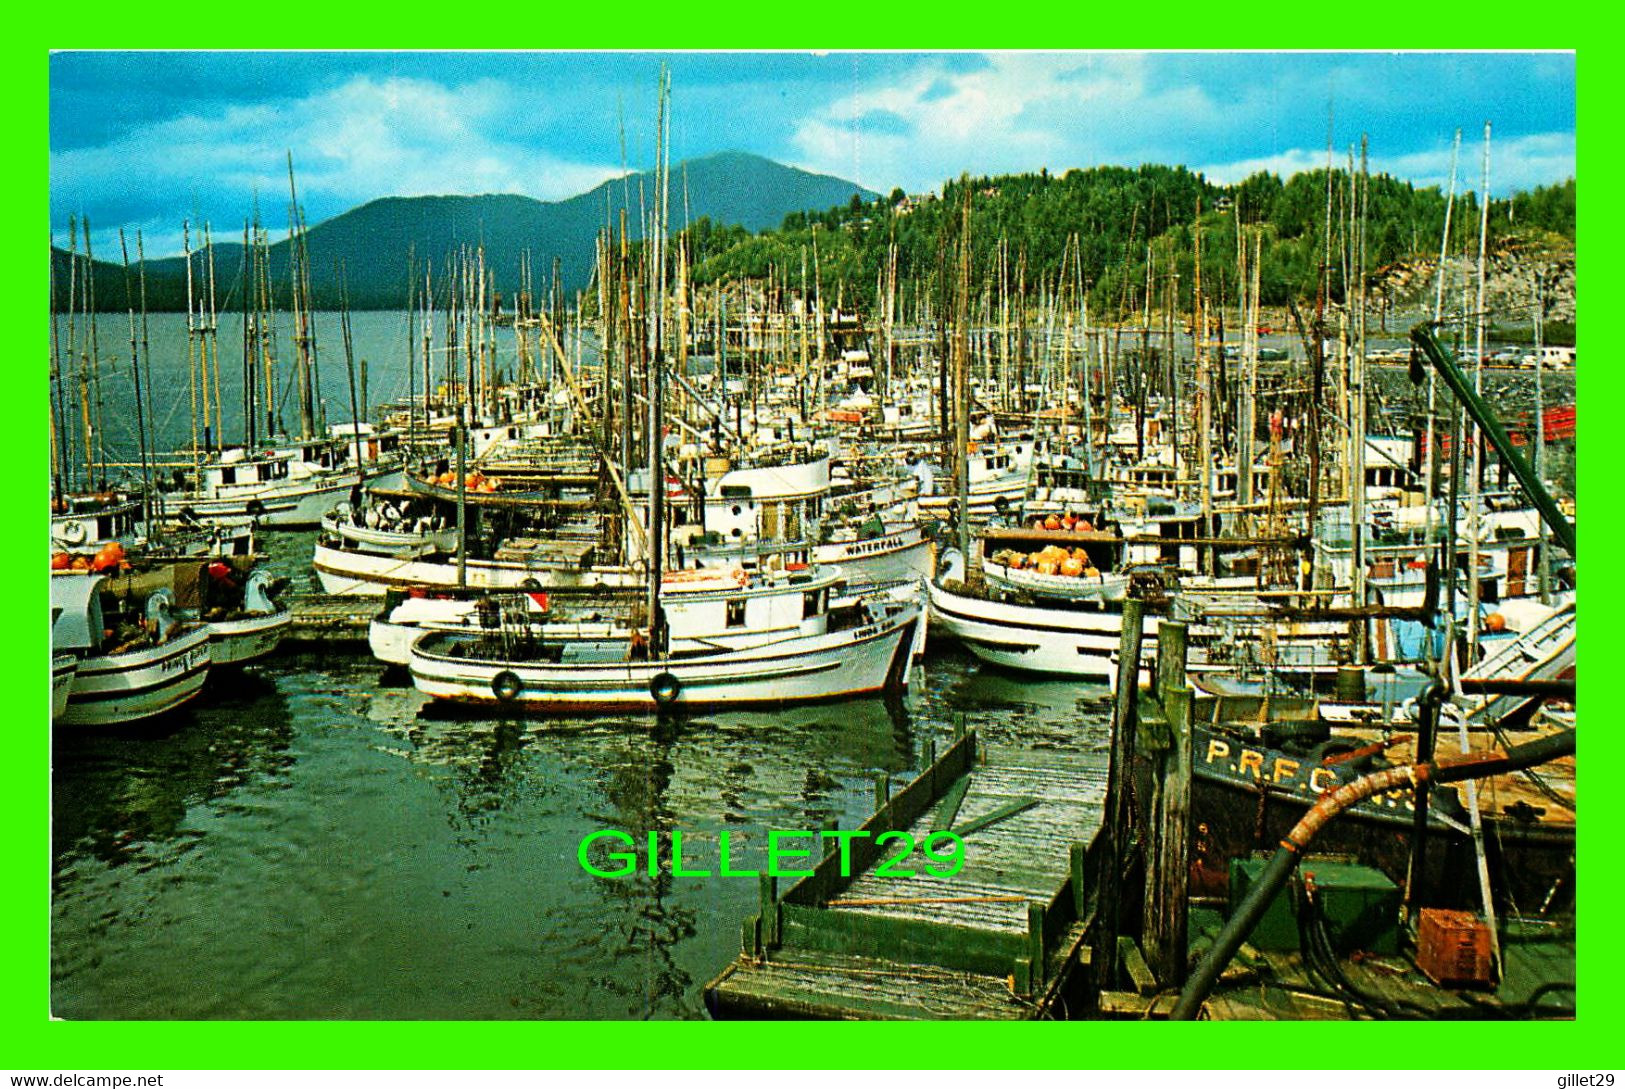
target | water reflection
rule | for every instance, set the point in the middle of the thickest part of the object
(117, 794)
(311, 844)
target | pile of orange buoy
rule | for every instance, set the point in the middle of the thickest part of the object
(110, 557)
(1069, 522)
(1051, 560)
(476, 482)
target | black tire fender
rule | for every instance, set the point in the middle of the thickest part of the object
(665, 688)
(506, 685)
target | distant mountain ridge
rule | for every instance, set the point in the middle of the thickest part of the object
(372, 242)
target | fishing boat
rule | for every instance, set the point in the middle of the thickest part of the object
(288, 487)
(813, 652)
(1261, 762)
(1029, 627)
(136, 659)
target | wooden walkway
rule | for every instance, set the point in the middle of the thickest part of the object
(327, 618)
(998, 940)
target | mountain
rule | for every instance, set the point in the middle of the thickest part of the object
(372, 241)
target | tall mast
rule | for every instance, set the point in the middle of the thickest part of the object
(303, 323)
(1476, 485)
(1542, 546)
(248, 409)
(191, 345)
(656, 375)
(212, 341)
(135, 379)
(1431, 470)
(961, 460)
(1357, 406)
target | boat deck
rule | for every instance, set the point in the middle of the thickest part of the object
(927, 947)
(1537, 981)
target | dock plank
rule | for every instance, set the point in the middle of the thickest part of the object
(928, 946)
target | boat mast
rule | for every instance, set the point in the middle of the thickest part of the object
(95, 347)
(135, 378)
(1357, 406)
(1204, 398)
(1443, 530)
(155, 499)
(249, 411)
(656, 371)
(191, 347)
(961, 461)
(211, 343)
(349, 369)
(1476, 485)
(1542, 544)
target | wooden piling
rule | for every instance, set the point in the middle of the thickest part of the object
(1120, 772)
(1162, 928)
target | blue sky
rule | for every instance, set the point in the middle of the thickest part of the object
(145, 140)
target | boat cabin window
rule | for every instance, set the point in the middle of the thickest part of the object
(811, 604)
(736, 612)
(228, 475)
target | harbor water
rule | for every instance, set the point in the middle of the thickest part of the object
(310, 842)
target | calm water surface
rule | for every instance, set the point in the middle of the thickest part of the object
(307, 843)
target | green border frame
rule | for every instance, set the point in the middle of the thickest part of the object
(33, 1042)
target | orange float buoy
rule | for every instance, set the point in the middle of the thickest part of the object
(1071, 567)
(108, 557)
(1052, 522)
(61, 561)
(1495, 622)
(1045, 567)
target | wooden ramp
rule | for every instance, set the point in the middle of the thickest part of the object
(1000, 939)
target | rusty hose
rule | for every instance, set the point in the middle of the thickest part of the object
(1449, 769)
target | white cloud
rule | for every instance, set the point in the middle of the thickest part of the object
(365, 138)
(1284, 163)
(1021, 111)
(1519, 163)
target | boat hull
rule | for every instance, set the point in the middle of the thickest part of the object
(238, 642)
(1064, 642)
(868, 659)
(63, 667)
(360, 574)
(117, 689)
(907, 553)
(1246, 797)
(296, 505)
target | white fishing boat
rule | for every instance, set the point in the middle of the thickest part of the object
(228, 595)
(406, 618)
(390, 525)
(879, 551)
(291, 486)
(828, 654)
(90, 521)
(1077, 640)
(251, 631)
(150, 663)
(999, 475)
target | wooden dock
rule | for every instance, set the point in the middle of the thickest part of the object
(330, 618)
(1001, 939)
